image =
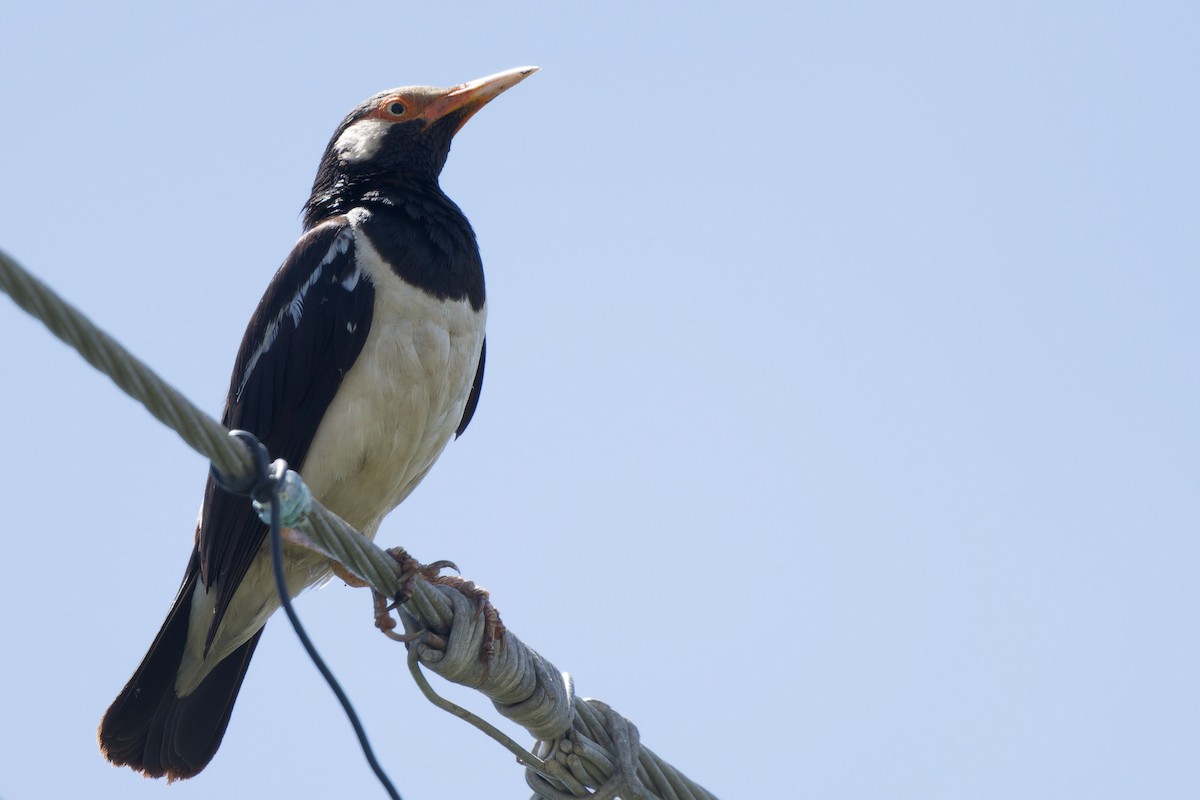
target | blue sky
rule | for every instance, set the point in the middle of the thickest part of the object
(840, 418)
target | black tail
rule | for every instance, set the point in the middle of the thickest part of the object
(154, 731)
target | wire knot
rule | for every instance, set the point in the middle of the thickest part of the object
(268, 481)
(255, 482)
(294, 496)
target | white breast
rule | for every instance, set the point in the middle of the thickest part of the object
(394, 413)
(400, 403)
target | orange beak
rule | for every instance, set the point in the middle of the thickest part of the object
(472, 96)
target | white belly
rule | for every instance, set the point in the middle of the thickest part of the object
(394, 413)
(400, 404)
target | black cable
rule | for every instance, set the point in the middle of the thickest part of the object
(281, 587)
(268, 484)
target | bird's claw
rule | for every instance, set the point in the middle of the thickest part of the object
(386, 622)
(493, 631)
(409, 568)
(431, 571)
(493, 626)
(384, 606)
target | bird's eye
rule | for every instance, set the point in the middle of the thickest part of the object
(396, 109)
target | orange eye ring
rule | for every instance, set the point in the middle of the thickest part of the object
(393, 109)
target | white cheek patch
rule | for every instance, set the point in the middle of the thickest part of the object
(361, 140)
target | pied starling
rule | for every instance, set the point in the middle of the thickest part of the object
(361, 362)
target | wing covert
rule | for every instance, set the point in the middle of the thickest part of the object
(306, 333)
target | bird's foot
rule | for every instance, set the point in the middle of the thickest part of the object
(493, 626)
(350, 579)
(493, 630)
(384, 606)
(386, 622)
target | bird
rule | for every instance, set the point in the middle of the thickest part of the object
(363, 359)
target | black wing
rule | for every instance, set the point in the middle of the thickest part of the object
(304, 336)
(473, 398)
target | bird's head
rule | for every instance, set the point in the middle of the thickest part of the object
(404, 134)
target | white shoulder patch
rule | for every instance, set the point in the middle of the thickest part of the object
(294, 308)
(341, 243)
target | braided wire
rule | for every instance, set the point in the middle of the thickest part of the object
(203, 433)
(581, 745)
